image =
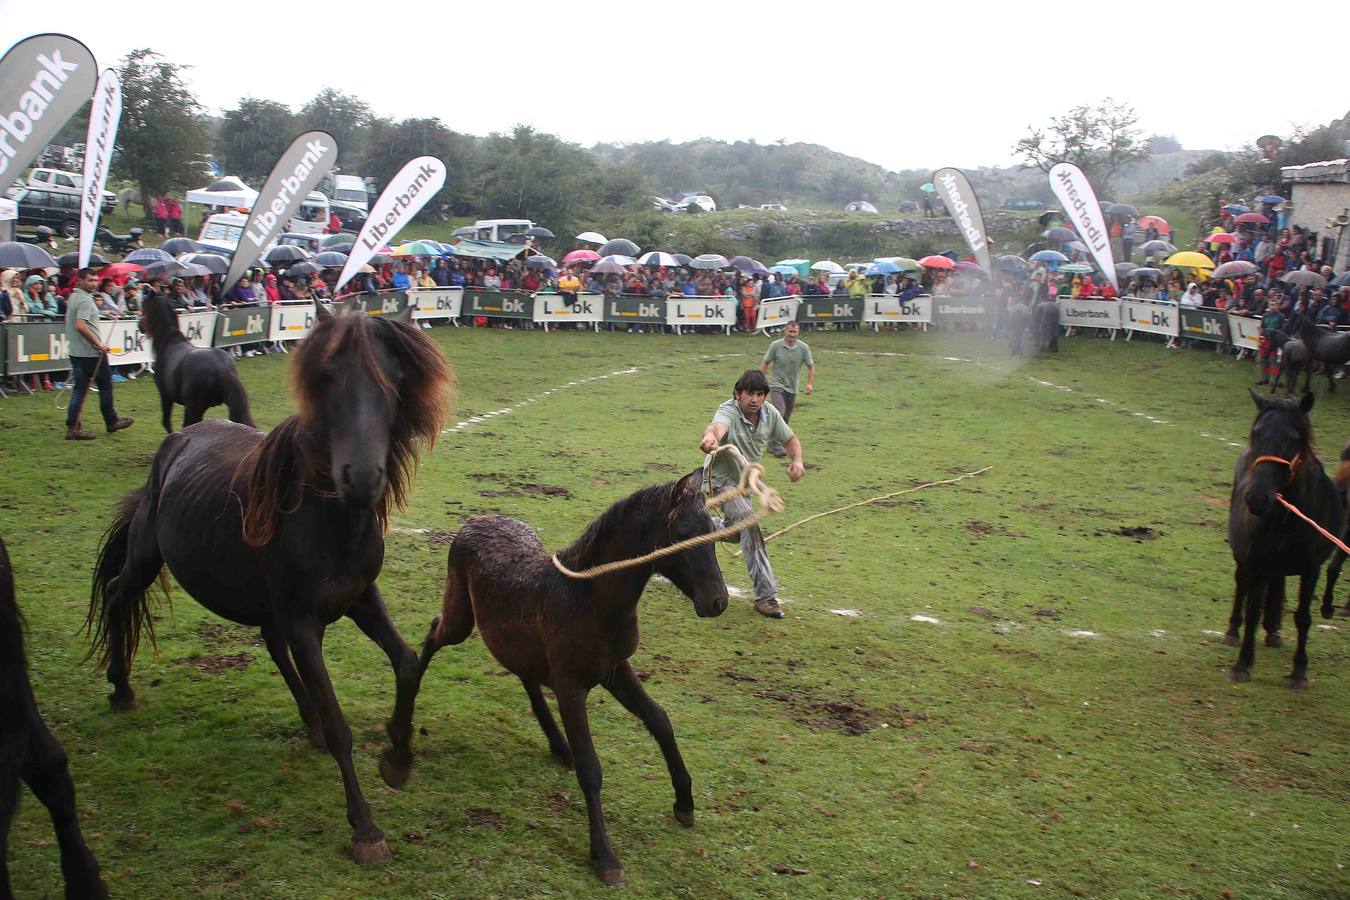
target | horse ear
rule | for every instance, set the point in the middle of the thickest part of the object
(405, 314)
(691, 482)
(1306, 402)
(1257, 398)
(322, 313)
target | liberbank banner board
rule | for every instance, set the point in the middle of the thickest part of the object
(830, 309)
(104, 117)
(436, 303)
(1090, 314)
(417, 182)
(44, 80)
(549, 309)
(1075, 194)
(959, 198)
(1200, 323)
(881, 309)
(1149, 316)
(959, 309)
(632, 310)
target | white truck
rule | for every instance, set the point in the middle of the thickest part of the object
(60, 182)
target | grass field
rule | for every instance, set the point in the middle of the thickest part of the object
(1056, 724)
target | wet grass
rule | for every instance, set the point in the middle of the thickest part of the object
(858, 755)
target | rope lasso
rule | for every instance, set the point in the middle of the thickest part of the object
(751, 482)
(1320, 530)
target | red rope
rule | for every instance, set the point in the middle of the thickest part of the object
(1322, 531)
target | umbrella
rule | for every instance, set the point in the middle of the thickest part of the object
(827, 265)
(619, 247)
(304, 267)
(1221, 238)
(592, 237)
(539, 231)
(147, 255)
(656, 258)
(1253, 218)
(937, 262)
(540, 262)
(1342, 280)
(331, 258)
(285, 253)
(17, 255)
(1048, 256)
(418, 248)
(1076, 269)
(180, 245)
(1153, 248)
(1010, 263)
(1146, 272)
(710, 261)
(613, 265)
(681, 259)
(1303, 278)
(73, 259)
(116, 270)
(966, 265)
(330, 241)
(1077, 246)
(380, 259)
(881, 267)
(1158, 222)
(467, 231)
(1058, 233)
(1236, 208)
(211, 262)
(742, 264)
(1271, 199)
(1189, 259)
(1126, 268)
(785, 271)
(1238, 268)
(1124, 210)
(1104, 204)
(580, 256)
(928, 188)
(171, 268)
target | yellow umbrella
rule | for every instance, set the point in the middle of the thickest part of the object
(1189, 259)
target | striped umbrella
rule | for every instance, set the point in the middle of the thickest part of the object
(655, 258)
(331, 258)
(709, 261)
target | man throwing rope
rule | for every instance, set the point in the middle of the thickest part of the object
(750, 423)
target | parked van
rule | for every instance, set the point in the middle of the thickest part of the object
(223, 231)
(351, 190)
(500, 229)
(312, 217)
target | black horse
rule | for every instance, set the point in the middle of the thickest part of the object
(1338, 555)
(1045, 327)
(1269, 542)
(572, 634)
(1019, 319)
(1295, 357)
(196, 377)
(29, 752)
(284, 530)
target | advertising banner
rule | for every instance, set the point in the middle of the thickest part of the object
(104, 116)
(1244, 332)
(290, 321)
(242, 325)
(198, 327)
(44, 80)
(968, 309)
(719, 311)
(407, 192)
(126, 345)
(301, 167)
(829, 309)
(1200, 323)
(882, 308)
(550, 309)
(777, 313)
(1090, 314)
(498, 304)
(1075, 194)
(35, 347)
(436, 303)
(632, 310)
(1150, 316)
(959, 198)
(377, 304)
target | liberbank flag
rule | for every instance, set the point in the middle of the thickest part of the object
(104, 116)
(408, 191)
(955, 190)
(44, 79)
(1080, 203)
(309, 157)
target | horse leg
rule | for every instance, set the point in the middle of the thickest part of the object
(1333, 574)
(627, 688)
(9, 801)
(572, 708)
(1232, 636)
(48, 775)
(372, 617)
(1254, 589)
(281, 656)
(1307, 585)
(306, 640)
(556, 743)
(166, 409)
(193, 412)
(1274, 612)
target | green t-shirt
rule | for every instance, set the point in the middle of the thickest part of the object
(750, 440)
(787, 364)
(80, 305)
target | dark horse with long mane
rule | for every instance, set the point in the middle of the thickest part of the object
(1269, 542)
(198, 378)
(284, 530)
(28, 752)
(572, 634)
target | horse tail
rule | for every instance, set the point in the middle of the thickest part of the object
(131, 616)
(236, 399)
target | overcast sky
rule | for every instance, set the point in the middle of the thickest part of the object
(892, 84)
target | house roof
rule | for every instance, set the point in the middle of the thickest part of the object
(1328, 171)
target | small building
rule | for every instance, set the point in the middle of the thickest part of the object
(1319, 200)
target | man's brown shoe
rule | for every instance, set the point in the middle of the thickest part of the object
(769, 608)
(124, 422)
(78, 434)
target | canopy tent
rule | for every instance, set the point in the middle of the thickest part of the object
(228, 191)
(493, 250)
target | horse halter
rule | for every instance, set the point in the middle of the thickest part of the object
(1292, 464)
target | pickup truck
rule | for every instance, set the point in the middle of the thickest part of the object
(59, 182)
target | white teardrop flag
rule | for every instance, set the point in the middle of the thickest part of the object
(104, 117)
(1079, 200)
(407, 192)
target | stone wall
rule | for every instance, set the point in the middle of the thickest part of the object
(1313, 204)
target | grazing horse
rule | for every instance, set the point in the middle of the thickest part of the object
(1269, 542)
(572, 634)
(1045, 327)
(284, 530)
(1338, 555)
(29, 752)
(196, 377)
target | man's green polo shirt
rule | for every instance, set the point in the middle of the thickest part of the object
(749, 439)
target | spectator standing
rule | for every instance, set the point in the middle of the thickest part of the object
(783, 363)
(88, 360)
(161, 214)
(174, 215)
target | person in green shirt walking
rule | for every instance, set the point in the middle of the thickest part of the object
(750, 423)
(783, 363)
(88, 360)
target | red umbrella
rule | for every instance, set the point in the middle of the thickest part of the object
(1222, 238)
(577, 256)
(937, 262)
(1157, 222)
(1253, 218)
(116, 270)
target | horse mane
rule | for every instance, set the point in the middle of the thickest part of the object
(620, 515)
(161, 322)
(287, 462)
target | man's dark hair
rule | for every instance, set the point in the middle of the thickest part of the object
(87, 271)
(752, 380)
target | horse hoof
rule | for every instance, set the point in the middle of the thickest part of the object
(612, 877)
(1236, 676)
(1273, 640)
(123, 704)
(1231, 639)
(1297, 685)
(1328, 612)
(394, 775)
(685, 818)
(371, 854)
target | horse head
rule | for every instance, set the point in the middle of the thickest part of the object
(158, 321)
(373, 392)
(694, 571)
(1281, 443)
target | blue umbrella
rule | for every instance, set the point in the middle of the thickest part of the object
(1009, 263)
(1049, 256)
(1271, 198)
(331, 258)
(950, 254)
(147, 255)
(785, 271)
(1236, 208)
(882, 267)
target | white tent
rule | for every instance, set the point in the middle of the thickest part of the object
(228, 191)
(860, 206)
